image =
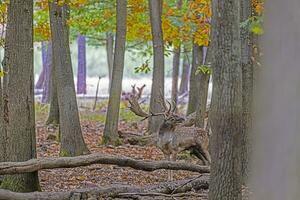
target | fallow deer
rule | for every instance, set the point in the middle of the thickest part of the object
(173, 138)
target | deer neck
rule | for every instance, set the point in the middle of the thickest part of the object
(166, 127)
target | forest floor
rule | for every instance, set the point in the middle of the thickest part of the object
(104, 175)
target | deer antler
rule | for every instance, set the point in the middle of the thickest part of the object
(134, 102)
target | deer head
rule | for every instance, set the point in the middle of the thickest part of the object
(170, 118)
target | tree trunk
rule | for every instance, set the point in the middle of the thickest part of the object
(185, 73)
(112, 117)
(21, 143)
(72, 142)
(277, 112)
(194, 91)
(157, 90)
(226, 107)
(110, 54)
(81, 73)
(202, 102)
(247, 73)
(46, 89)
(2, 130)
(40, 82)
(53, 116)
(176, 63)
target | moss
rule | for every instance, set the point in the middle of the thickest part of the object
(64, 153)
(111, 141)
(21, 183)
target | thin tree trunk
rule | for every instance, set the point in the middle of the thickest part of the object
(226, 107)
(81, 73)
(194, 91)
(21, 143)
(40, 82)
(203, 89)
(185, 73)
(72, 142)
(53, 116)
(247, 72)
(46, 88)
(2, 130)
(176, 64)
(110, 54)
(112, 117)
(157, 90)
(175, 73)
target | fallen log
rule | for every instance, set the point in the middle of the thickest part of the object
(96, 158)
(180, 186)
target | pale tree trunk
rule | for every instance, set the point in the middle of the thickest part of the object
(81, 72)
(157, 90)
(175, 73)
(276, 135)
(46, 88)
(109, 54)
(226, 107)
(247, 72)
(203, 89)
(194, 91)
(112, 117)
(41, 79)
(72, 142)
(184, 82)
(21, 143)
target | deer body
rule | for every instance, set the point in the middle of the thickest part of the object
(173, 138)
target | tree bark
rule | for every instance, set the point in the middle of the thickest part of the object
(109, 54)
(247, 75)
(21, 143)
(202, 102)
(157, 89)
(40, 82)
(81, 73)
(175, 73)
(184, 82)
(172, 188)
(46, 85)
(2, 130)
(96, 158)
(226, 107)
(72, 142)
(53, 116)
(194, 91)
(112, 117)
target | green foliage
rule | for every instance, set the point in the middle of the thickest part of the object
(254, 24)
(204, 69)
(144, 68)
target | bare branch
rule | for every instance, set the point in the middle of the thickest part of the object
(96, 158)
